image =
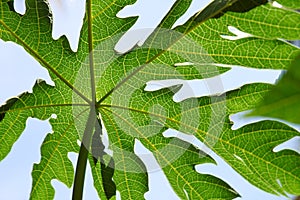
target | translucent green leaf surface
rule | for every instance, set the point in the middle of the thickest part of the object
(290, 4)
(99, 86)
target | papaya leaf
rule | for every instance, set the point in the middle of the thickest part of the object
(97, 89)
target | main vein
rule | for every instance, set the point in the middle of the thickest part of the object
(44, 62)
(188, 28)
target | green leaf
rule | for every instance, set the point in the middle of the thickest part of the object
(290, 4)
(181, 173)
(283, 100)
(33, 32)
(265, 23)
(96, 83)
(254, 157)
(42, 103)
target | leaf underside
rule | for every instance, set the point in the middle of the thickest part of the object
(96, 78)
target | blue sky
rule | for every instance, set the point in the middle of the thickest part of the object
(18, 74)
